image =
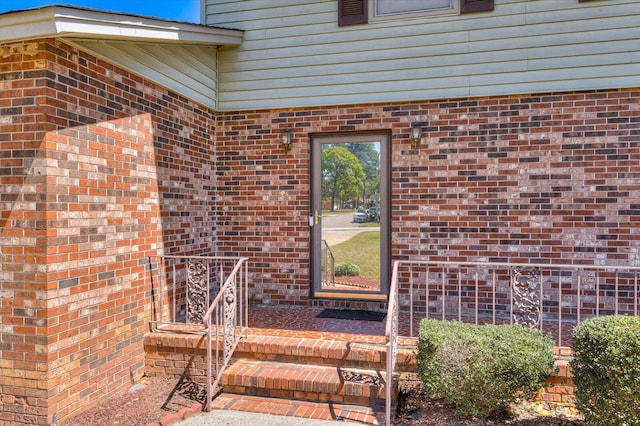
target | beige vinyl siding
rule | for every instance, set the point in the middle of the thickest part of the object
(187, 70)
(296, 55)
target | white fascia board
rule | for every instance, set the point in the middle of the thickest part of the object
(60, 21)
(25, 25)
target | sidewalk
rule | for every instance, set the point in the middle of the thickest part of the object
(241, 418)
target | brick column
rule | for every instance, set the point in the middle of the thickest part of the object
(99, 169)
(24, 355)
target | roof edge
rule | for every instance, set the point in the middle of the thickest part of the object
(66, 21)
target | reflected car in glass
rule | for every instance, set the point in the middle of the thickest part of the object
(360, 216)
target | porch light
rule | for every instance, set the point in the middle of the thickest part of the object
(286, 140)
(416, 134)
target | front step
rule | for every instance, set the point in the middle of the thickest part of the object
(312, 351)
(342, 353)
(329, 373)
(306, 377)
(306, 382)
(305, 409)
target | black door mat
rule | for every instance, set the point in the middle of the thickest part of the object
(352, 314)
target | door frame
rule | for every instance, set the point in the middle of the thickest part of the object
(315, 277)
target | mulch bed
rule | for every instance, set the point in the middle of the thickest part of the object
(147, 402)
(429, 412)
(154, 398)
(415, 409)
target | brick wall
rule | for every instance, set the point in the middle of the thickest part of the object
(548, 178)
(560, 389)
(99, 169)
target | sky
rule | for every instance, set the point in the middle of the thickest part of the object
(176, 10)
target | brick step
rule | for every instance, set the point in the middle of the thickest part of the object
(169, 354)
(311, 410)
(317, 383)
(323, 352)
(297, 350)
(312, 351)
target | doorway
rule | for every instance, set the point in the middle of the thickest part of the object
(349, 217)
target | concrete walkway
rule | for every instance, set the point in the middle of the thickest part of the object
(241, 418)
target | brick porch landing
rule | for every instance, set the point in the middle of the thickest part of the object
(302, 322)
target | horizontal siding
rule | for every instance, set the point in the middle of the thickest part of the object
(187, 70)
(297, 55)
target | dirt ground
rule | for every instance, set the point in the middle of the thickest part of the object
(154, 398)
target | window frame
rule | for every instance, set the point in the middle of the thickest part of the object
(352, 12)
(453, 10)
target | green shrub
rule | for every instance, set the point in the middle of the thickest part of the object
(347, 268)
(479, 369)
(606, 370)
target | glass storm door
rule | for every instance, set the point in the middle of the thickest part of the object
(349, 215)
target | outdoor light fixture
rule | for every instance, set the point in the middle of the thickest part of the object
(416, 134)
(286, 140)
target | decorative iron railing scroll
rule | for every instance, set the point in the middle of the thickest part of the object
(198, 294)
(525, 284)
(229, 314)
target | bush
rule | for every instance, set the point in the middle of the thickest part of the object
(606, 370)
(479, 369)
(347, 268)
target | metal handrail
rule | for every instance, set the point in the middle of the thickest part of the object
(552, 297)
(391, 338)
(188, 282)
(329, 264)
(232, 297)
(182, 287)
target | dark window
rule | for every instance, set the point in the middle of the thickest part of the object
(352, 12)
(392, 7)
(470, 6)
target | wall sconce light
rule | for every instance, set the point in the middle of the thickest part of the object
(416, 134)
(286, 140)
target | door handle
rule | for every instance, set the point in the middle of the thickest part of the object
(316, 217)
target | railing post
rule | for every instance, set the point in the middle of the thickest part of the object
(635, 294)
(560, 307)
(391, 333)
(209, 372)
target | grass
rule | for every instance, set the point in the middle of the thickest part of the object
(370, 225)
(363, 250)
